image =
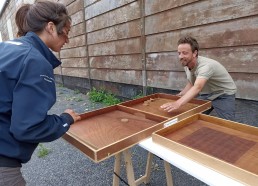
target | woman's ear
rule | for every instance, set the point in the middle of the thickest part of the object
(50, 28)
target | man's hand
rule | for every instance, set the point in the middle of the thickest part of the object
(170, 106)
(185, 96)
(179, 94)
(74, 115)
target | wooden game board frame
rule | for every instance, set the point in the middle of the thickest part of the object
(99, 154)
(203, 104)
(223, 167)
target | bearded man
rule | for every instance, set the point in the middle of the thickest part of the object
(207, 79)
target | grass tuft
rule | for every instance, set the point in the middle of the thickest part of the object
(103, 96)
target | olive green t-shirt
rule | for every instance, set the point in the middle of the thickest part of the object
(219, 80)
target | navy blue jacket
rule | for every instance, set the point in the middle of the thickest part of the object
(27, 92)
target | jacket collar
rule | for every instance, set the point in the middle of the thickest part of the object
(33, 38)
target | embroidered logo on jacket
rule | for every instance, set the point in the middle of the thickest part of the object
(47, 78)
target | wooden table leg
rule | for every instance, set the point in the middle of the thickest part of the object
(148, 168)
(146, 178)
(117, 169)
(168, 173)
(130, 171)
(129, 168)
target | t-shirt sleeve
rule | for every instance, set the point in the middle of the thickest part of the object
(205, 72)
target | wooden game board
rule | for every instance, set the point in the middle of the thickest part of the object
(107, 131)
(228, 147)
(152, 103)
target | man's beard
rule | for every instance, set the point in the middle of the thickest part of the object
(184, 62)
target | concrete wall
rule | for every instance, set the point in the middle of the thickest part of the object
(129, 46)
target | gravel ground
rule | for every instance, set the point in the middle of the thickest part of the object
(66, 165)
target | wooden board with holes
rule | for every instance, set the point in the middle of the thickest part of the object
(151, 104)
(107, 131)
(228, 147)
(104, 132)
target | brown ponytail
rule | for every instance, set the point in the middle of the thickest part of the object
(20, 18)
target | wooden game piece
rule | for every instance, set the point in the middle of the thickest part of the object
(145, 103)
(124, 120)
(151, 99)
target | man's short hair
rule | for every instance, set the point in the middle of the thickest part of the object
(191, 41)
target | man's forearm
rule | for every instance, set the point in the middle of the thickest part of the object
(188, 95)
(186, 89)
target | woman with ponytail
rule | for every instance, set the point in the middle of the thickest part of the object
(28, 86)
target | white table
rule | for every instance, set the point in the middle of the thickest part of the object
(199, 171)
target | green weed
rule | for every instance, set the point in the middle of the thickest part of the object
(140, 95)
(103, 96)
(110, 99)
(43, 151)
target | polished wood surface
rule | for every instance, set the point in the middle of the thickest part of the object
(104, 129)
(221, 145)
(228, 147)
(151, 104)
(104, 132)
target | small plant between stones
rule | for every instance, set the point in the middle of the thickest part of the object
(139, 95)
(103, 96)
(43, 151)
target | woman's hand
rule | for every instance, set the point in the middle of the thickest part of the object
(75, 116)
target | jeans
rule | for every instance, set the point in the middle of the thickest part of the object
(224, 105)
